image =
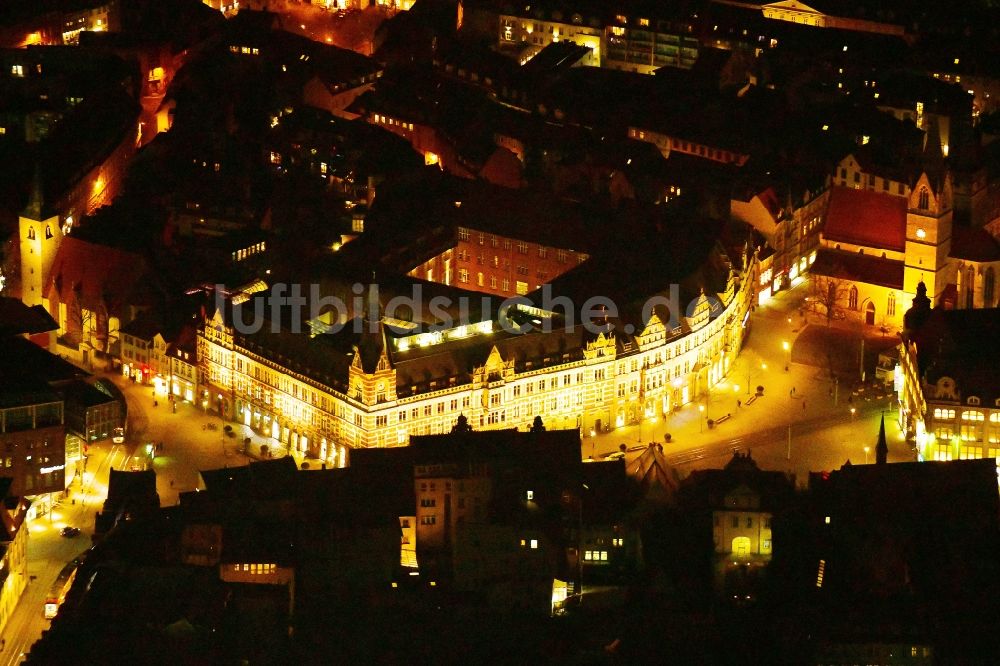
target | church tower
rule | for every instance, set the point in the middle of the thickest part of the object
(929, 222)
(40, 235)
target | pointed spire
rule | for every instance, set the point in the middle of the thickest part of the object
(932, 159)
(882, 447)
(35, 210)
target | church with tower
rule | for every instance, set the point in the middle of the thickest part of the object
(40, 234)
(883, 237)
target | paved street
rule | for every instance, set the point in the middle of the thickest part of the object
(824, 432)
(355, 31)
(48, 552)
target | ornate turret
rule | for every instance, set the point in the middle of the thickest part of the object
(372, 377)
(918, 313)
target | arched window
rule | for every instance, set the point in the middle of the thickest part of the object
(48, 231)
(853, 298)
(925, 199)
(890, 308)
(31, 233)
(970, 286)
(988, 287)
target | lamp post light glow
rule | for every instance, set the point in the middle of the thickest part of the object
(853, 412)
(788, 353)
(867, 450)
(763, 367)
(701, 418)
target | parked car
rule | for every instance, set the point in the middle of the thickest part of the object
(69, 532)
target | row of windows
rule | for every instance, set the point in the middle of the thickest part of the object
(562, 256)
(31, 232)
(522, 246)
(240, 255)
(968, 433)
(503, 284)
(965, 452)
(871, 182)
(944, 413)
(385, 120)
(256, 569)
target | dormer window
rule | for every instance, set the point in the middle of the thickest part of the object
(31, 233)
(973, 400)
(48, 232)
(924, 202)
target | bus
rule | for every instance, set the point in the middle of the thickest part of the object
(119, 435)
(61, 586)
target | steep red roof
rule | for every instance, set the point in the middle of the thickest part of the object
(974, 244)
(97, 273)
(866, 218)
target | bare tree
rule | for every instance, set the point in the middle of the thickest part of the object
(829, 297)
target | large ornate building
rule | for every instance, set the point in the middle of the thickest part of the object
(388, 379)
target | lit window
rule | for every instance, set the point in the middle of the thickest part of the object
(827, 520)
(534, 543)
(530, 495)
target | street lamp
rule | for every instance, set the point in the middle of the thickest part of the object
(788, 353)
(853, 412)
(701, 418)
(222, 422)
(763, 366)
(867, 449)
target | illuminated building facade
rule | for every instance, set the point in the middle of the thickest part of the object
(643, 44)
(32, 443)
(689, 146)
(315, 397)
(99, 17)
(792, 231)
(949, 397)
(182, 355)
(14, 542)
(494, 264)
(794, 11)
(143, 352)
(533, 30)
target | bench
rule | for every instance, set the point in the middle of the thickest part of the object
(752, 399)
(723, 419)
